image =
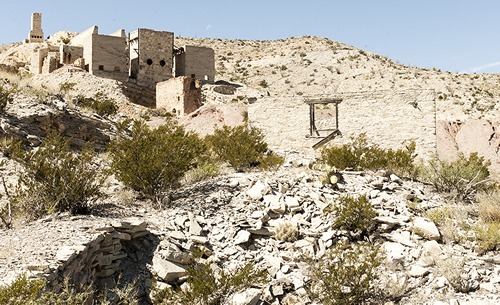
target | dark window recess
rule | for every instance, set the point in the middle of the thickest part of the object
(193, 75)
(162, 63)
(101, 67)
(149, 61)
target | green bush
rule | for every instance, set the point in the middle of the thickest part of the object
(5, 97)
(242, 148)
(151, 161)
(24, 291)
(209, 287)
(461, 178)
(488, 235)
(346, 274)
(58, 180)
(353, 214)
(102, 105)
(359, 155)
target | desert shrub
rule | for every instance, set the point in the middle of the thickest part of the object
(489, 206)
(5, 97)
(242, 148)
(24, 291)
(353, 214)
(66, 87)
(263, 83)
(360, 155)
(346, 274)
(488, 235)
(208, 287)
(204, 169)
(102, 105)
(286, 231)
(151, 161)
(58, 180)
(461, 178)
(452, 269)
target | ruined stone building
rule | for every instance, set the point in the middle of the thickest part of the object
(151, 56)
(104, 55)
(143, 61)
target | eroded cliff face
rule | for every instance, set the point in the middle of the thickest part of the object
(481, 136)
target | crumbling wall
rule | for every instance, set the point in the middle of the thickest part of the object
(197, 62)
(69, 54)
(180, 95)
(50, 63)
(109, 57)
(387, 117)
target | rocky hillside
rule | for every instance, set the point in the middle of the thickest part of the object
(320, 66)
(432, 253)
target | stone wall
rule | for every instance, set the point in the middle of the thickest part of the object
(197, 62)
(50, 63)
(388, 118)
(180, 95)
(99, 261)
(151, 56)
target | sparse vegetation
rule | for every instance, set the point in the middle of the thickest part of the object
(286, 231)
(346, 274)
(5, 97)
(152, 161)
(462, 178)
(242, 148)
(102, 105)
(263, 83)
(209, 286)
(353, 214)
(24, 291)
(488, 235)
(359, 155)
(57, 179)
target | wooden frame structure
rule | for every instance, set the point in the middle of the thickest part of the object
(314, 132)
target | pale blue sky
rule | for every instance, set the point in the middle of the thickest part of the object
(452, 35)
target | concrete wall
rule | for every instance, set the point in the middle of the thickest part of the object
(180, 95)
(151, 56)
(388, 118)
(105, 55)
(109, 57)
(196, 61)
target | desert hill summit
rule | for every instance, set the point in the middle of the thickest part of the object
(314, 65)
(437, 249)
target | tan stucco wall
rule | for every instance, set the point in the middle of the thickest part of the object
(198, 61)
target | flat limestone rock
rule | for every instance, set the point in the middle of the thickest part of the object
(167, 271)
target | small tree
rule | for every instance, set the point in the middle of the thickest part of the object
(151, 161)
(57, 179)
